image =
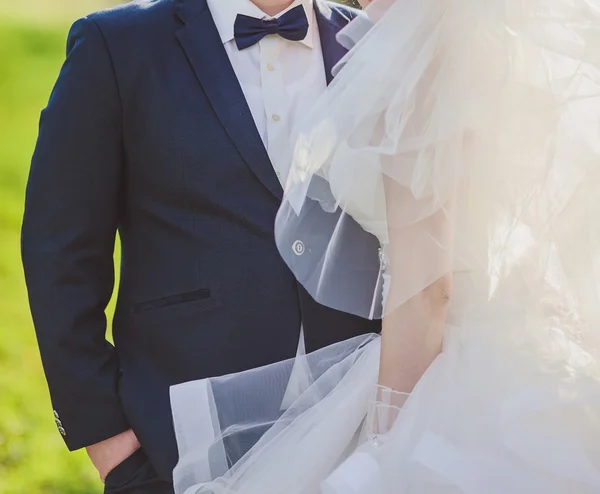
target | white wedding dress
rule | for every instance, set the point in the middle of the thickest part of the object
(464, 135)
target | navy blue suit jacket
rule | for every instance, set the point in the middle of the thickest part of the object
(147, 133)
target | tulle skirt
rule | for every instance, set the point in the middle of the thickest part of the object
(489, 416)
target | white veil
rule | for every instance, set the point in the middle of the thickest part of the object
(459, 137)
(467, 130)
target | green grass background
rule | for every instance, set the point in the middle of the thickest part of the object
(33, 458)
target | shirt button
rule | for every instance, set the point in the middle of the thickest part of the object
(270, 67)
(276, 118)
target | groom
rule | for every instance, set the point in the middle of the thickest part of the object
(169, 123)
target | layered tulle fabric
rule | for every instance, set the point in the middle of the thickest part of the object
(464, 135)
(462, 128)
(488, 417)
(249, 421)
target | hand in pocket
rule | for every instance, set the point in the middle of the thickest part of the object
(109, 454)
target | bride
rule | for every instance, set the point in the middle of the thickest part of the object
(464, 134)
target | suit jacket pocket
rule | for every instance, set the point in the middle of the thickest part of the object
(174, 306)
(183, 298)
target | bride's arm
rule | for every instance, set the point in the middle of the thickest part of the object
(412, 336)
(413, 329)
(421, 235)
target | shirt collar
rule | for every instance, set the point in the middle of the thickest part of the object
(224, 13)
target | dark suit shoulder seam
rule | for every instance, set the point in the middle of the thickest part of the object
(110, 58)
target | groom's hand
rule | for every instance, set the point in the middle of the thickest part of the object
(109, 454)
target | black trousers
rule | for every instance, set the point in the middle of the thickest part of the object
(136, 476)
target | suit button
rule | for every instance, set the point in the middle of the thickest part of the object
(298, 247)
(59, 424)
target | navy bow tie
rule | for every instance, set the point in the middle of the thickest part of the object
(292, 25)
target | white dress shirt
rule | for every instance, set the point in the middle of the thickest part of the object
(281, 79)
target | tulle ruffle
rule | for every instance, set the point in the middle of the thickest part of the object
(464, 129)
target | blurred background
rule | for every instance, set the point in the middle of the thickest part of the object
(33, 458)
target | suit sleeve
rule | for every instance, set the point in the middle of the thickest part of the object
(68, 239)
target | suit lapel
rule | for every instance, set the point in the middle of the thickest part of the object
(330, 23)
(202, 44)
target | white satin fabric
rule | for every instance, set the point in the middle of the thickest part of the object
(465, 136)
